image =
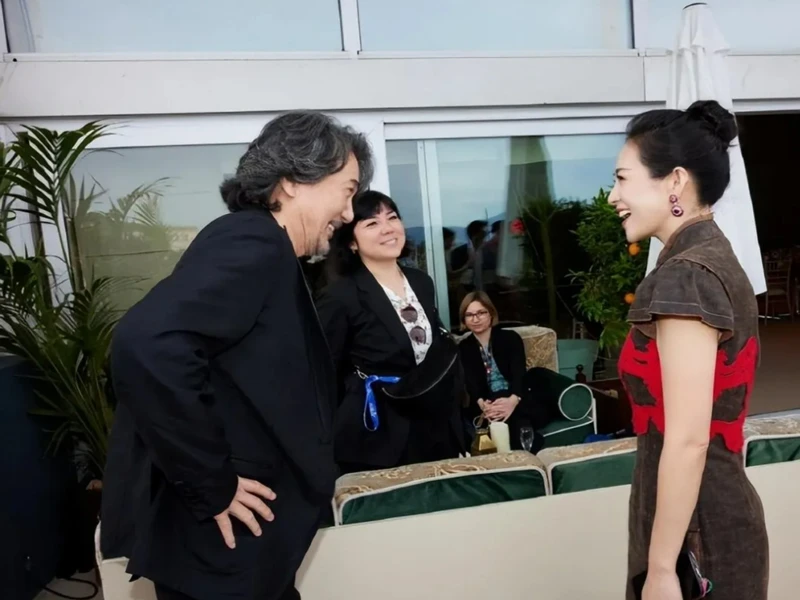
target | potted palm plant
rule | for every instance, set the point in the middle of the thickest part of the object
(54, 316)
(56, 312)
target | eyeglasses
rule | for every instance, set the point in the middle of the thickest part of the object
(410, 315)
(476, 315)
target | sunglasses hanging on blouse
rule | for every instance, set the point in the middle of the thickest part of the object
(410, 315)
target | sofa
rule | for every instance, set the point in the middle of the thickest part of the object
(576, 405)
(476, 481)
(541, 509)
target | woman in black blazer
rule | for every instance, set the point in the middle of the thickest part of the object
(380, 319)
(494, 369)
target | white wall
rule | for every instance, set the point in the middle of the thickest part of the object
(89, 88)
(113, 87)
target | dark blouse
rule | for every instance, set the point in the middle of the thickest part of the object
(508, 351)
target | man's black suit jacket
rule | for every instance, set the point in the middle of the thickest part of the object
(221, 370)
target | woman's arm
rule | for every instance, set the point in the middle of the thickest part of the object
(688, 351)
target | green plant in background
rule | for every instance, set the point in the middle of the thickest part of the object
(129, 239)
(617, 268)
(547, 222)
(54, 313)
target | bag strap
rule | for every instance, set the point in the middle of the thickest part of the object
(370, 402)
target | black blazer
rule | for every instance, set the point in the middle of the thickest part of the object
(221, 370)
(364, 332)
(509, 354)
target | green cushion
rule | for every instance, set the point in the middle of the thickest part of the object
(575, 402)
(594, 473)
(442, 485)
(590, 466)
(445, 494)
(769, 451)
(772, 439)
(564, 433)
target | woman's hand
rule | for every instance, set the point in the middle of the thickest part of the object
(662, 586)
(501, 409)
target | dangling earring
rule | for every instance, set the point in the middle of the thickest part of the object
(677, 209)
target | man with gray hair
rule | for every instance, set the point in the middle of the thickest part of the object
(220, 461)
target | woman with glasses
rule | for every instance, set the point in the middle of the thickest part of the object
(495, 372)
(381, 322)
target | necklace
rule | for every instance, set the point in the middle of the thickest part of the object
(486, 356)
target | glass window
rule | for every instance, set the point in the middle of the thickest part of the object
(76, 26)
(153, 202)
(521, 198)
(478, 25)
(745, 24)
(404, 175)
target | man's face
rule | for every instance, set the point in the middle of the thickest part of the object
(325, 206)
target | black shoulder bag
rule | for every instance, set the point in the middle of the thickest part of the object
(428, 391)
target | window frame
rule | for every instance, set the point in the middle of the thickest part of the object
(3, 36)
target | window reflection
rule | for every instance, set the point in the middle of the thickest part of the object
(477, 25)
(148, 205)
(88, 26)
(509, 209)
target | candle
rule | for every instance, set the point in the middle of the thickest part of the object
(500, 436)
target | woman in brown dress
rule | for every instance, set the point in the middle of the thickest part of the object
(689, 362)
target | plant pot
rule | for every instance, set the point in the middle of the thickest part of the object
(82, 511)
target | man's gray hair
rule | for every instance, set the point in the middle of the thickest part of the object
(300, 146)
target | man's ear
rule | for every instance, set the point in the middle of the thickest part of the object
(286, 188)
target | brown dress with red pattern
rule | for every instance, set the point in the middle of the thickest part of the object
(698, 275)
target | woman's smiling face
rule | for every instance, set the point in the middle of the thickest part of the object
(380, 237)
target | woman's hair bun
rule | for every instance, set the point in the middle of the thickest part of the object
(720, 121)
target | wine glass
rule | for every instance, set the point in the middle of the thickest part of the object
(526, 438)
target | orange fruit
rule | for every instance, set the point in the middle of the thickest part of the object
(634, 249)
(629, 298)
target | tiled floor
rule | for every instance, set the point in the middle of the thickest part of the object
(72, 589)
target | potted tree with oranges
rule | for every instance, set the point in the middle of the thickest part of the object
(608, 286)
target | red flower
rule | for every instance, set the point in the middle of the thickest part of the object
(517, 227)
